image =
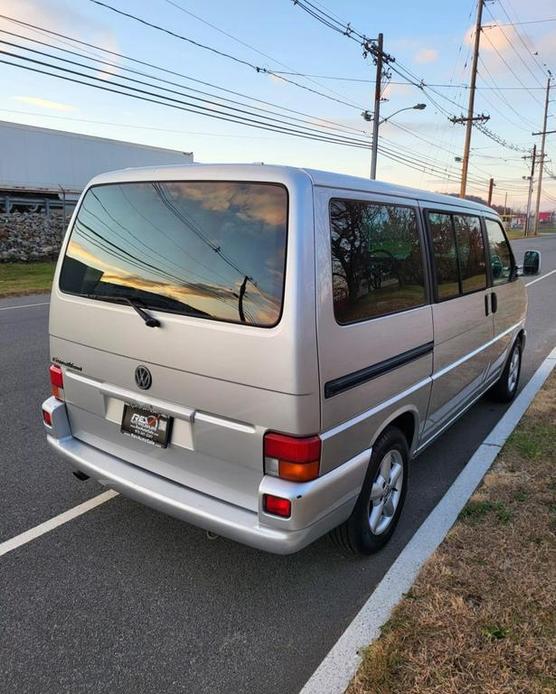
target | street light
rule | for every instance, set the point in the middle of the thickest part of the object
(417, 107)
(368, 116)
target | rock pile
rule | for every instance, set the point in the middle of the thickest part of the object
(28, 236)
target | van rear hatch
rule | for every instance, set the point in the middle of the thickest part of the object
(215, 264)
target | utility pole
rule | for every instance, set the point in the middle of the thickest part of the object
(471, 103)
(378, 94)
(541, 162)
(490, 189)
(530, 193)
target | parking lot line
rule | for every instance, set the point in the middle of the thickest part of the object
(53, 523)
(11, 308)
(542, 277)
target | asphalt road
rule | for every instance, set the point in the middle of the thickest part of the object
(126, 599)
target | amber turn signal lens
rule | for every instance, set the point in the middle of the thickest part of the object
(298, 472)
(56, 381)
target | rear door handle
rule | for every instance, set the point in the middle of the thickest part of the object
(486, 304)
(494, 302)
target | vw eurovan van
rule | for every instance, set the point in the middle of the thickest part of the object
(261, 350)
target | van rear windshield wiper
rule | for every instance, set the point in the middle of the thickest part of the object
(149, 320)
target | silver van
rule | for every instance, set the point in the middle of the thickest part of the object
(261, 350)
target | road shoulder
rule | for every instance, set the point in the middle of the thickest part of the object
(340, 665)
(481, 614)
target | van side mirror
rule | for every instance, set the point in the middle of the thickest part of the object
(532, 262)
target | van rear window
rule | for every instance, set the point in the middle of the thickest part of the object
(208, 249)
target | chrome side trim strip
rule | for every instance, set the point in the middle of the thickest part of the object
(458, 414)
(374, 410)
(129, 396)
(470, 355)
(430, 379)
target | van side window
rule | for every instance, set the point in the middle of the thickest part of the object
(445, 255)
(459, 254)
(501, 259)
(377, 262)
(471, 253)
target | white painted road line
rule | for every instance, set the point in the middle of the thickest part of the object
(337, 669)
(11, 308)
(542, 277)
(55, 522)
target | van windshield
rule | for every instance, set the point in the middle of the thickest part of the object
(208, 249)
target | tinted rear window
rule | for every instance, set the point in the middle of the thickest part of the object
(209, 249)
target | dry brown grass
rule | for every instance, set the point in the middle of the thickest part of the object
(481, 616)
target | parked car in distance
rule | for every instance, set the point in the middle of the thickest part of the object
(262, 350)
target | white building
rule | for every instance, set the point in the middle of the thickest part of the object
(43, 162)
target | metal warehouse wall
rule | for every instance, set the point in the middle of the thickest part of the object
(38, 159)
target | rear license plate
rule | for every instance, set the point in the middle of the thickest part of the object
(146, 425)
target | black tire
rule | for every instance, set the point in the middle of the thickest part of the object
(505, 388)
(356, 535)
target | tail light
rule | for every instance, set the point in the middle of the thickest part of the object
(56, 381)
(47, 418)
(292, 458)
(277, 506)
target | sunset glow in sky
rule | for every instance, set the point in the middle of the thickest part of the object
(432, 38)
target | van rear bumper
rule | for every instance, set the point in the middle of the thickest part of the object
(317, 506)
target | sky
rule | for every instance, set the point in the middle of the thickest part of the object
(431, 38)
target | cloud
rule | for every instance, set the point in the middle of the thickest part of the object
(261, 203)
(502, 43)
(44, 103)
(392, 90)
(60, 16)
(426, 55)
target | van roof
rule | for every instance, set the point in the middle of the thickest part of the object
(285, 174)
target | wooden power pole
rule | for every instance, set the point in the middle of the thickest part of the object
(530, 191)
(471, 103)
(490, 189)
(541, 159)
(378, 95)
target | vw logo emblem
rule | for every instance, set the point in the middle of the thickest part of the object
(143, 378)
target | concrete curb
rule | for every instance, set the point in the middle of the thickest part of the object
(340, 665)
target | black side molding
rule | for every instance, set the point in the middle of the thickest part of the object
(356, 378)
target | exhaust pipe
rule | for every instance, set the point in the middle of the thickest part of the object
(212, 536)
(81, 476)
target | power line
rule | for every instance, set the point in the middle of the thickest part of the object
(145, 95)
(369, 48)
(435, 145)
(428, 84)
(223, 54)
(502, 96)
(514, 49)
(162, 69)
(498, 139)
(528, 49)
(396, 156)
(509, 67)
(165, 81)
(530, 21)
(126, 125)
(181, 8)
